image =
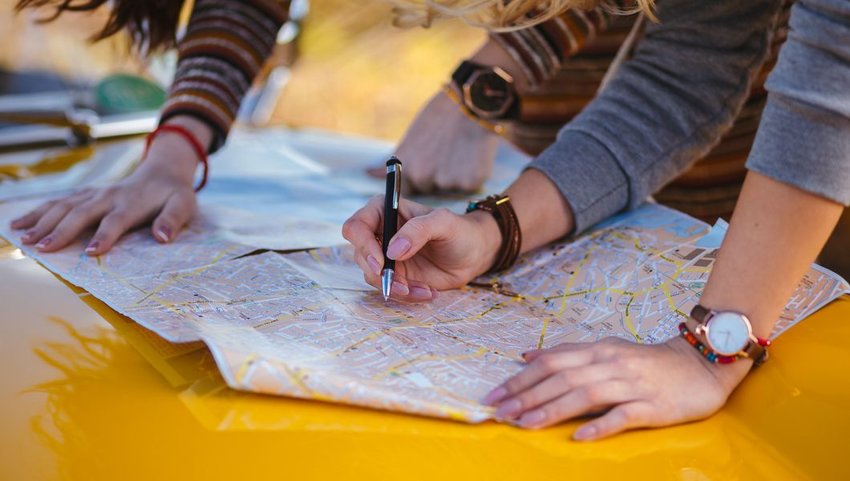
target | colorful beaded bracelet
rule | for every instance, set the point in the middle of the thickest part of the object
(710, 355)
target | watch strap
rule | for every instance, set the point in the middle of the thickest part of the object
(700, 313)
(464, 71)
(757, 352)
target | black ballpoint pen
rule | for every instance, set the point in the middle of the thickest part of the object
(391, 200)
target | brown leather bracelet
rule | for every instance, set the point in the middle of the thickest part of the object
(502, 210)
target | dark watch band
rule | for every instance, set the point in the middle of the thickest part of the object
(502, 210)
(464, 71)
(700, 313)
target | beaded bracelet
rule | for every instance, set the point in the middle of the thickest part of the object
(710, 355)
(190, 138)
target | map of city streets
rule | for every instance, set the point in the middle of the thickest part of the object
(305, 324)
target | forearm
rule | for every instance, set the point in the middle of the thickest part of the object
(798, 177)
(774, 236)
(543, 214)
(172, 154)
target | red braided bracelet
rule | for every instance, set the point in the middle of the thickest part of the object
(199, 149)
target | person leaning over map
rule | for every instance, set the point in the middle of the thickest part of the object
(685, 82)
(669, 102)
(221, 52)
(223, 49)
(554, 67)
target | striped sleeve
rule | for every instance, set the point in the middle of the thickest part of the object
(225, 46)
(541, 50)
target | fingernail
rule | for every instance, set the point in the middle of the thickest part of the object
(398, 247)
(374, 265)
(585, 432)
(532, 418)
(163, 233)
(44, 243)
(495, 395)
(508, 409)
(400, 289)
(93, 245)
(420, 292)
(28, 236)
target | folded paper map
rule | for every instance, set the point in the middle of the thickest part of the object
(305, 324)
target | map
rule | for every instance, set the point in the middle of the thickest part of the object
(305, 324)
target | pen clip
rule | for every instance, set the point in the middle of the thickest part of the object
(396, 170)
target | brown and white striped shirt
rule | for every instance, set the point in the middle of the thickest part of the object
(224, 48)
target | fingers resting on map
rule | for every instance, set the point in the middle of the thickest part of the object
(115, 210)
(633, 385)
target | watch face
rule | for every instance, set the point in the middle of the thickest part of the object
(489, 94)
(728, 333)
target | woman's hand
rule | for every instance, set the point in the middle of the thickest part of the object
(160, 189)
(638, 385)
(445, 151)
(433, 249)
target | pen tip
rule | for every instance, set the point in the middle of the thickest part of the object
(387, 283)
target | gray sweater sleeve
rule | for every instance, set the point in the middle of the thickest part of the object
(804, 136)
(664, 108)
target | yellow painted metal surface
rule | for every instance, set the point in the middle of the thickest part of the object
(60, 161)
(86, 394)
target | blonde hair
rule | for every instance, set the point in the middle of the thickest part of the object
(502, 15)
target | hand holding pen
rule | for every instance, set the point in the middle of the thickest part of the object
(411, 251)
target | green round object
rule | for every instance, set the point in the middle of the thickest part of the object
(123, 93)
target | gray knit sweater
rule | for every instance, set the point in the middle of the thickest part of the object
(686, 82)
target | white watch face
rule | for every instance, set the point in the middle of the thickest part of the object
(728, 333)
